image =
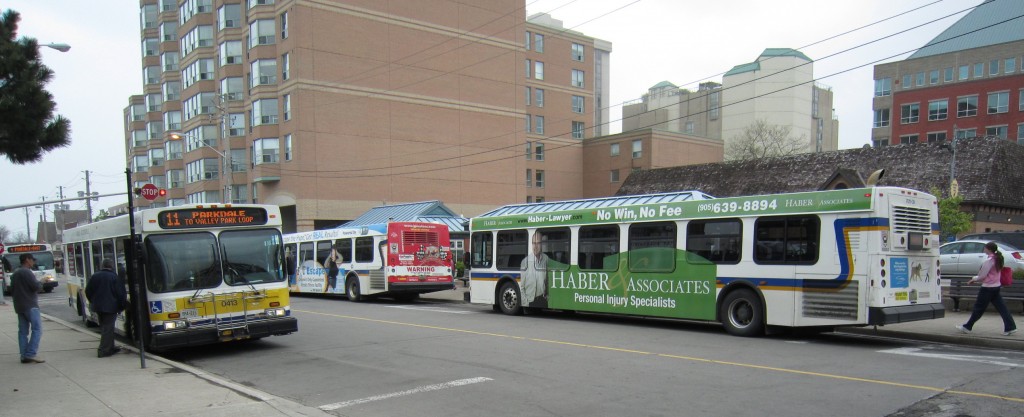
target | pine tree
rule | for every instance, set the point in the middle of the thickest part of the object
(28, 127)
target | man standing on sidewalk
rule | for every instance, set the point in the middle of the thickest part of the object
(24, 288)
(107, 297)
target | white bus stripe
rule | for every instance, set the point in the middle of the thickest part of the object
(432, 309)
(992, 360)
(417, 390)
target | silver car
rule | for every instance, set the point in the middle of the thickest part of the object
(964, 257)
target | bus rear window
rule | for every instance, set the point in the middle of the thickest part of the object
(786, 240)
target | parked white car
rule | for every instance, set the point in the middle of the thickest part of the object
(964, 257)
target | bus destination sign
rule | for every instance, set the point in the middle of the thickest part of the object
(193, 218)
(26, 248)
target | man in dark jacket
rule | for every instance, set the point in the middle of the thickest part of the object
(107, 297)
(24, 287)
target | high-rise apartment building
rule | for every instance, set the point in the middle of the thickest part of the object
(779, 88)
(329, 108)
(668, 107)
(967, 82)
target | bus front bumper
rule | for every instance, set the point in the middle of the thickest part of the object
(880, 316)
(207, 335)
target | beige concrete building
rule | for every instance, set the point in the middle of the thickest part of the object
(668, 107)
(330, 108)
(778, 87)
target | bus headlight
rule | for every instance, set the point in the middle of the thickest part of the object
(48, 278)
(175, 324)
(275, 312)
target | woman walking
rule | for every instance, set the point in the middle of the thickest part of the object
(988, 276)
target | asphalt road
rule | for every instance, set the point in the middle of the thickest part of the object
(384, 358)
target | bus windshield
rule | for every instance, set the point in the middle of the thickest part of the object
(252, 256)
(44, 261)
(182, 261)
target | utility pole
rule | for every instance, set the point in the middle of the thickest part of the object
(45, 238)
(88, 193)
(28, 230)
(59, 223)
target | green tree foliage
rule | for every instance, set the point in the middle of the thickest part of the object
(28, 127)
(101, 215)
(952, 221)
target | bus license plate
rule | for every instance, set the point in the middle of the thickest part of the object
(189, 313)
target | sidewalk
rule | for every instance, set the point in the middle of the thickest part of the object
(74, 381)
(987, 331)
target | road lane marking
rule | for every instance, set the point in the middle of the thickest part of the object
(417, 390)
(687, 358)
(991, 360)
(432, 309)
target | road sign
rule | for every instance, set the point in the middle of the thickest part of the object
(150, 192)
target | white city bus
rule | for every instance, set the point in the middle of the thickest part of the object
(823, 259)
(209, 273)
(45, 268)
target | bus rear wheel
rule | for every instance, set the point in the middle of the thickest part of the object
(742, 314)
(352, 290)
(509, 301)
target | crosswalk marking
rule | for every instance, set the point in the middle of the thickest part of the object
(992, 360)
(417, 390)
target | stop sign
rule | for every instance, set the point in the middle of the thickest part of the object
(149, 192)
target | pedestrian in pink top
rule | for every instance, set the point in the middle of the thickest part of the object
(988, 276)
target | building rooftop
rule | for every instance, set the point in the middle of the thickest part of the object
(774, 52)
(425, 211)
(981, 27)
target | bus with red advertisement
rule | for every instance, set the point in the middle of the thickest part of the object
(394, 259)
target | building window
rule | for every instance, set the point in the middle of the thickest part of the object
(231, 88)
(920, 79)
(529, 95)
(910, 113)
(254, 3)
(538, 42)
(615, 175)
(529, 177)
(154, 102)
(155, 130)
(287, 107)
(689, 128)
(999, 102)
(993, 67)
(713, 107)
(538, 125)
(540, 97)
(529, 127)
(638, 149)
(172, 121)
(908, 81)
(151, 47)
(202, 170)
(285, 66)
(263, 72)
(238, 194)
(284, 25)
(169, 61)
(526, 42)
(997, 131)
(538, 152)
(578, 104)
(614, 151)
(966, 133)
(880, 142)
(578, 78)
(235, 124)
(947, 75)
(577, 130)
(172, 90)
(529, 67)
(288, 147)
(883, 87)
(229, 16)
(979, 70)
(933, 77)
(539, 175)
(173, 149)
(905, 139)
(231, 53)
(237, 160)
(1020, 134)
(964, 72)
(529, 150)
(881, 117)
(261, 32)
(577, 52)
(264, 112)
(175, 178)
(1010, 65)
(967, 106)
(538, 70)
(264, 151)
(937, 137)
(201, 136)
(1020, 101)
(937, 110)
(202, 103)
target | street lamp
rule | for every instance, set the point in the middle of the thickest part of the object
(227, 167)
(63, 47)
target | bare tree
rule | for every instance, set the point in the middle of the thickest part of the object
(761, 139)
(20, 237)
(5, 233)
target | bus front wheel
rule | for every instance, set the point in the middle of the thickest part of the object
(509, 299)
(352, 289)
(742, 314)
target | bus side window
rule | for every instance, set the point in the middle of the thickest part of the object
(598, 248)
(306, 252)
(787, 240)
(481, 244)
(511, 248)
(364, 249)
(555, 244)
(652, 247)
(344, 247)
(718, 241)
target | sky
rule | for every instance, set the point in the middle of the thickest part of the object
(683, 42)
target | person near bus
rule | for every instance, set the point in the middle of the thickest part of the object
(331, 265)
(24, 290)
(534, 275)
(107, 298)
(289, 265)
(988, 276)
